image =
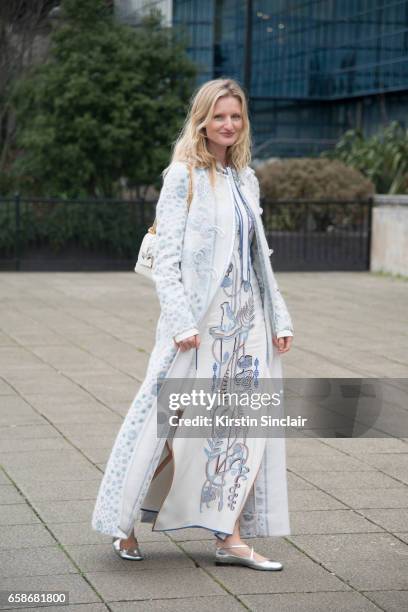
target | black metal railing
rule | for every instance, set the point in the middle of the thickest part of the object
(319, 235)
(60, 234)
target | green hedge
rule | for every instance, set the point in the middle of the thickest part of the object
(112, 227)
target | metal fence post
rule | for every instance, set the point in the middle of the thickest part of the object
(17, 243)
(369, 232)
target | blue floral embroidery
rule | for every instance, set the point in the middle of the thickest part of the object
(227, 454)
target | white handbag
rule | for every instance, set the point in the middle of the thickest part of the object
(145, 259)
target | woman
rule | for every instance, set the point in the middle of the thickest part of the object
(219, 297)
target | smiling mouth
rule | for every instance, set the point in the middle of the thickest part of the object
(224, 134)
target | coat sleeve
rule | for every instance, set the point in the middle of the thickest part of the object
(171, 217)
(282, 322)
(186, 334)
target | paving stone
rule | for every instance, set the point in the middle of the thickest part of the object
(102, 558)
(43, 458)
(23, 432)
(29, 417)
(299, 572)
(145, 534)
(6, 340)
(18, 372)
(65, 490)
(92, 607)
(310, 602)
(115, 393)
(72, 430)
(49, 402)
(25, 536)
(391, 601)
(77, 587)
(87, 377)
(10, 495)
(17, 514)
(82, 533)
(87, 417)
(65, 511)
(330, 521)
(34, 562)
(375, 498)
(5, 388)
(312, 499)
(159, 584)
(328, 481)
(52, 473)
(399, 473)
(96, 455)
(298, 447)
(92, 337)
(388, 461)
(372, 574)
(35, 385)
(390, 519)
(71, 356)
(329, 464)
(77, 533)
(3, 478)
(297, 576)
(367, 446)
(15, 409)
(90, 442)
(17, 356)
(27, 445)
(401, 536)
(41, 337)
(189, 604)
(297, 483)
(381, 546)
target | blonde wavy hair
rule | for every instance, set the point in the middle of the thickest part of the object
(191, 144)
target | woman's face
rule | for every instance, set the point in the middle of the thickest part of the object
(226, 123)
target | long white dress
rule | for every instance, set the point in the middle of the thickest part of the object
(204, 482)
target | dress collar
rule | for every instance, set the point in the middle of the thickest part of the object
(239, 176)
(220, 167)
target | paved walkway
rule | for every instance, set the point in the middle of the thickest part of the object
(73, 350)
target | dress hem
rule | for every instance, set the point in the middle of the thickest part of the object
(218, 534)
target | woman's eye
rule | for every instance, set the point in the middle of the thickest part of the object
(234, 117)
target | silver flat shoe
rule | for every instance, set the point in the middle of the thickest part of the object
(224, 558)
(132, 554)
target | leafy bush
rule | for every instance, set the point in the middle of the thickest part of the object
(313, 179)
(383, 158)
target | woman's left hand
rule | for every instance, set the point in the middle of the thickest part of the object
(283, 344)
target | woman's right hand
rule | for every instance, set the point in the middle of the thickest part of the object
(188, 343)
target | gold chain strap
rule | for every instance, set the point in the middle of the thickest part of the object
(152, 229)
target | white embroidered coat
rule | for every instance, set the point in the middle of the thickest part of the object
(187, 278)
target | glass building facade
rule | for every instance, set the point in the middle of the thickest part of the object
(311, 69)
